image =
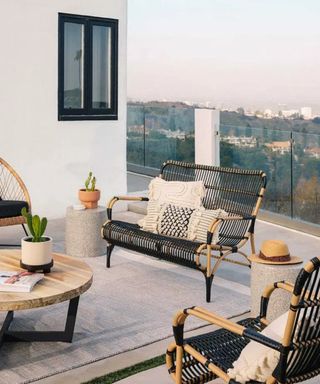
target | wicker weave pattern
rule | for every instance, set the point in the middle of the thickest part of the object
(12, 188)
(230, 189)
(220, 347)
(238, 192)
(210, 355)
(130, 236)
(304, 360)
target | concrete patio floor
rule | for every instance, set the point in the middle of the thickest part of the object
(301, 244)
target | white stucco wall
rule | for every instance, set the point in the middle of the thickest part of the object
(53, 157)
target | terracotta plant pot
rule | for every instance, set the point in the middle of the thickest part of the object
(89, 198)
(36, 256)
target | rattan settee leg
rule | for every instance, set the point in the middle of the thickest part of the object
(208, 287)
(253, 247)
(109, 251)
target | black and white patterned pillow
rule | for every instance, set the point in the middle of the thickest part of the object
(174, 220)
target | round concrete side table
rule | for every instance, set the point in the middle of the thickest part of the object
(83, 238)
(266, 274)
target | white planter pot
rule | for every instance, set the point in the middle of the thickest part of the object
(36, 254)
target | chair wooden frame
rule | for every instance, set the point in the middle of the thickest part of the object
(239, 192)
(299, 350)
(12, 188)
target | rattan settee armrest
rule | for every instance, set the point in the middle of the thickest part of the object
(222, 322)
(216, 222)
(112, 202)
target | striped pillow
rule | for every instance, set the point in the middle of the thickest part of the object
(200, 221)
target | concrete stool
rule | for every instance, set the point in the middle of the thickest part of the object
(266, 274)
(83, 238)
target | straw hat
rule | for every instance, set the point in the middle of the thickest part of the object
(275, 252)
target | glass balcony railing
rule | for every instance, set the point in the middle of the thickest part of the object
(156, 134)
(291, 161)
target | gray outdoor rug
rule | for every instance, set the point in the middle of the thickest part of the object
(128, 306)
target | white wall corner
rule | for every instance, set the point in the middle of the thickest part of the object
(207, 139)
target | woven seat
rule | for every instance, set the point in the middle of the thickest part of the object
(220, 347)
(130, 236)
(13, 197)
(239, 192)
(203, 358)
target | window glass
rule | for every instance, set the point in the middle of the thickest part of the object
(73, 65)
(101, 71)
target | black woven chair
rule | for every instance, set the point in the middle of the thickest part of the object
(203, 358)
(238, 191)
(13, 197)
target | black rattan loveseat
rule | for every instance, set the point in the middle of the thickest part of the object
(237, 191)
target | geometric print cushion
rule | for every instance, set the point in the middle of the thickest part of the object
(179, 193)
(174, 220)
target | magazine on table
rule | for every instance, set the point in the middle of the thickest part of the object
(18, 281)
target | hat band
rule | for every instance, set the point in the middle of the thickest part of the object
(275, 258)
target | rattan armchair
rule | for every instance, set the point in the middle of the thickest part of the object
(203, 358)
(13, 197)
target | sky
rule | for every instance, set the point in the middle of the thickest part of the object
(249, 53)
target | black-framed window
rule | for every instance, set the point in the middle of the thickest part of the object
(88, 68)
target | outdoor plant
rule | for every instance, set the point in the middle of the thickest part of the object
(91, 180)
(36, 226)
(89, 196)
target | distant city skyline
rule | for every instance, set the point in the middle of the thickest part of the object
(250, 53)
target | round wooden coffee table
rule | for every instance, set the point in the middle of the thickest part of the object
(69, 278)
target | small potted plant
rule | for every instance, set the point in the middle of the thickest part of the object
(90, 196)
(36, 250)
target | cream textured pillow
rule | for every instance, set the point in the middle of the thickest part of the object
(256, 361)
(200, 221)
(187, 194)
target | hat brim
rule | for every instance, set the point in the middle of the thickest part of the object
(293, 260)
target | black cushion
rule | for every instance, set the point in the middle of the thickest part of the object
(11, 208)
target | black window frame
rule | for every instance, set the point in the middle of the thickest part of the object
(88, 112)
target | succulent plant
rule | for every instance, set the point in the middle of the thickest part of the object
(36, 225)
(87, 182)
(93, 183)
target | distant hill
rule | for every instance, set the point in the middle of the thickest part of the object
(295, 125)
(233, 118)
